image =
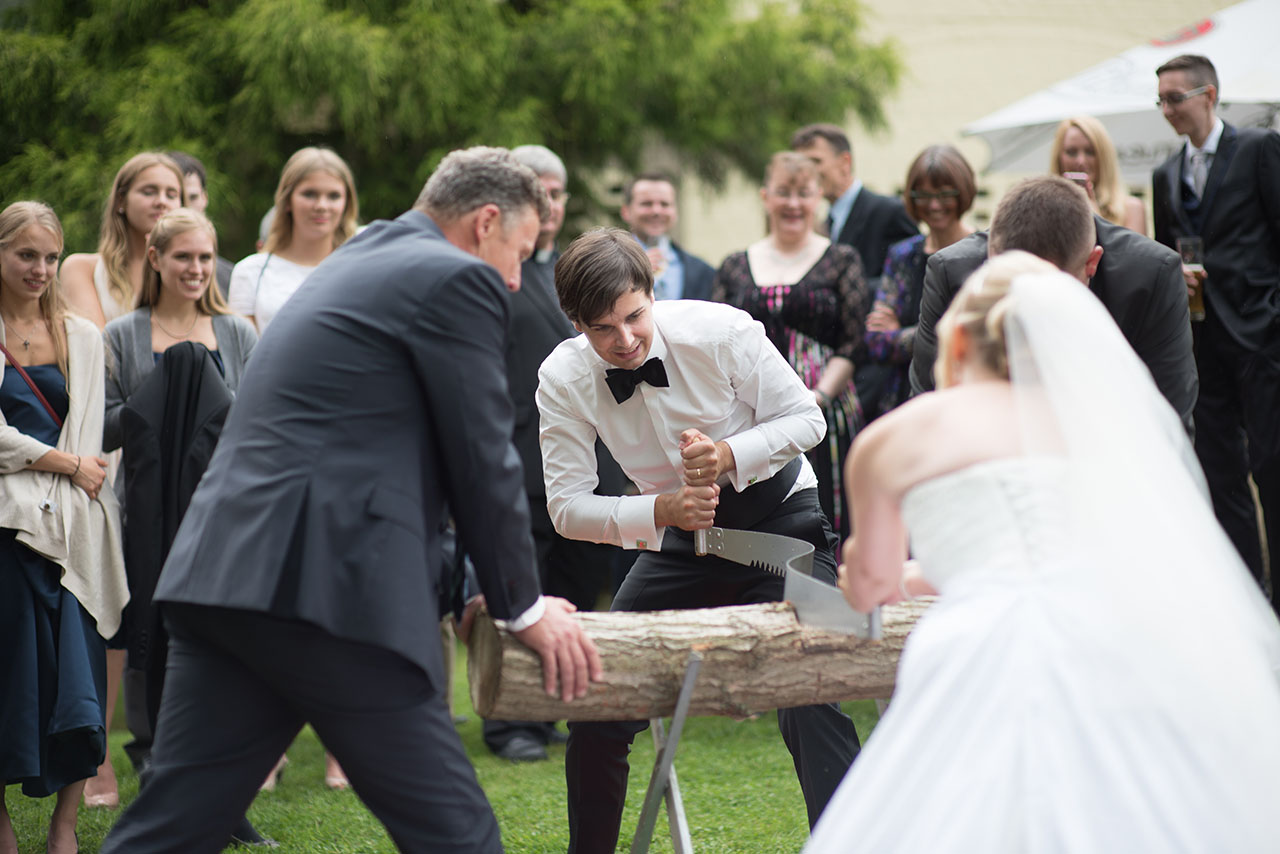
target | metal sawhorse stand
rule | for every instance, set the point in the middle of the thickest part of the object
(662, 783)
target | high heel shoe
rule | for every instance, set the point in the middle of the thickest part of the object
(269, 784)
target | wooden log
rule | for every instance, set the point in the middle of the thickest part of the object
(755, 658)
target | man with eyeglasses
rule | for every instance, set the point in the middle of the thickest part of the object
(574, 569)
(1223, 186)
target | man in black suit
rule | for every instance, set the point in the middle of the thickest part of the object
(1138, 280)
(1224, 187)
(867, 221)
(649, 210)
(303, 583)
(572, 569)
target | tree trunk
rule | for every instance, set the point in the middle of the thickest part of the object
(754, 658)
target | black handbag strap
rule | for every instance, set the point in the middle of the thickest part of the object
(30, 382)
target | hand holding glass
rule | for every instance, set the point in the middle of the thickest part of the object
(1192, 251)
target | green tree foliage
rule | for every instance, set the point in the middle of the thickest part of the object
(393, 86)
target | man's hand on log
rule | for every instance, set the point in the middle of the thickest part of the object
(569, 657)
(473, 606)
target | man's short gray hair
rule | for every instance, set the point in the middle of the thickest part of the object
(470, 178)
(542, 160)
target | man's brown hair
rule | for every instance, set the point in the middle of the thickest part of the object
(598, 269)
(1049, 217)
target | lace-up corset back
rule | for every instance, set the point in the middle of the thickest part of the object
(997, 519)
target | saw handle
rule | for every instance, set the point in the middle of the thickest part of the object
(700, 541)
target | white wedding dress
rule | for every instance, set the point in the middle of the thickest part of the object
(1029, 718)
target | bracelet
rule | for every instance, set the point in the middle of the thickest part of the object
(826, 398)
(77, 471)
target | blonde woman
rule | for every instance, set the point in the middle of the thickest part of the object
(101, 286)
(62, 580)
(1093, 621)
(104, 285)
(179, 302)
(1081, 147)
(175, 304)
(811, 296)
(316, 211)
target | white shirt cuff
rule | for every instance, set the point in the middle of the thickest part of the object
(531, 615)
(750, 459)
(636, 528)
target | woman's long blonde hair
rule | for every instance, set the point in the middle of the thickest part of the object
(1108, 188)
(15, 219)
(169, 226)
(303, 163)
(113, 239)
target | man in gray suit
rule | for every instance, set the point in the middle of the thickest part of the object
(303, 584)
(1138, 280)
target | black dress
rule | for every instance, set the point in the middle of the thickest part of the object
(820, 316)
(53, 672)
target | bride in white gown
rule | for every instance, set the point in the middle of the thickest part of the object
(1099, 673)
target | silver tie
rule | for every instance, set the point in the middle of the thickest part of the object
(1199, 172)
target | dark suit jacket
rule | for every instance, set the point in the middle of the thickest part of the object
(698, 275)
(379, 393)
(1138, 280)
(1240, 224)
(875, 223)
(537, 326)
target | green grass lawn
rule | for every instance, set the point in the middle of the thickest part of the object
(739, 787)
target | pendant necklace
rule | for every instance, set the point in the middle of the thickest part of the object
(26, 340)
(183, 336)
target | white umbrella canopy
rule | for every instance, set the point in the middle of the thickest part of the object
(1243, 41)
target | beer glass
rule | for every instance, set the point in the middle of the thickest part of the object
(1192, 251)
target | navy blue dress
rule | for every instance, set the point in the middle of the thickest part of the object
(53, 679)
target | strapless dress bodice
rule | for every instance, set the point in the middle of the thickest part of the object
(998, 519)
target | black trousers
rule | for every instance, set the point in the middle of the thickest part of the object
(239, 687)
(1237, 418)
(822, 740)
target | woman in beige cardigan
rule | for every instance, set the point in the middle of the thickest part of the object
(62, 581)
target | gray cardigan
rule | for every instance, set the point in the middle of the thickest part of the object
(130, 359)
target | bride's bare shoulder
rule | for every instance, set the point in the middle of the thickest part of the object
(935, 433)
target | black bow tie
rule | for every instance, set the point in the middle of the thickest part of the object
(622, 382)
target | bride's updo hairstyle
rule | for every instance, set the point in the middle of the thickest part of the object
(980, 308)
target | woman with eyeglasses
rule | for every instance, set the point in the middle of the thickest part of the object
(939, 192)
(1083, 152)
(810, 294)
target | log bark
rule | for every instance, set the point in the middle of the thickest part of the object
(755, 658)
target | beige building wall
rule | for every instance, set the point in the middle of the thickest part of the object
(961, 61)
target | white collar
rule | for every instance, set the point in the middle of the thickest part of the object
(1210, 146)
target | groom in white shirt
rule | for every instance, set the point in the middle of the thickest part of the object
(711, 424)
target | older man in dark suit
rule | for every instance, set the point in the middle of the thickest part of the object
(1224, 187)
(1137, 279)
(302, 585)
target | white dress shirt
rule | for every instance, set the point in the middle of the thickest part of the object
(841, 208)
(727, 380)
